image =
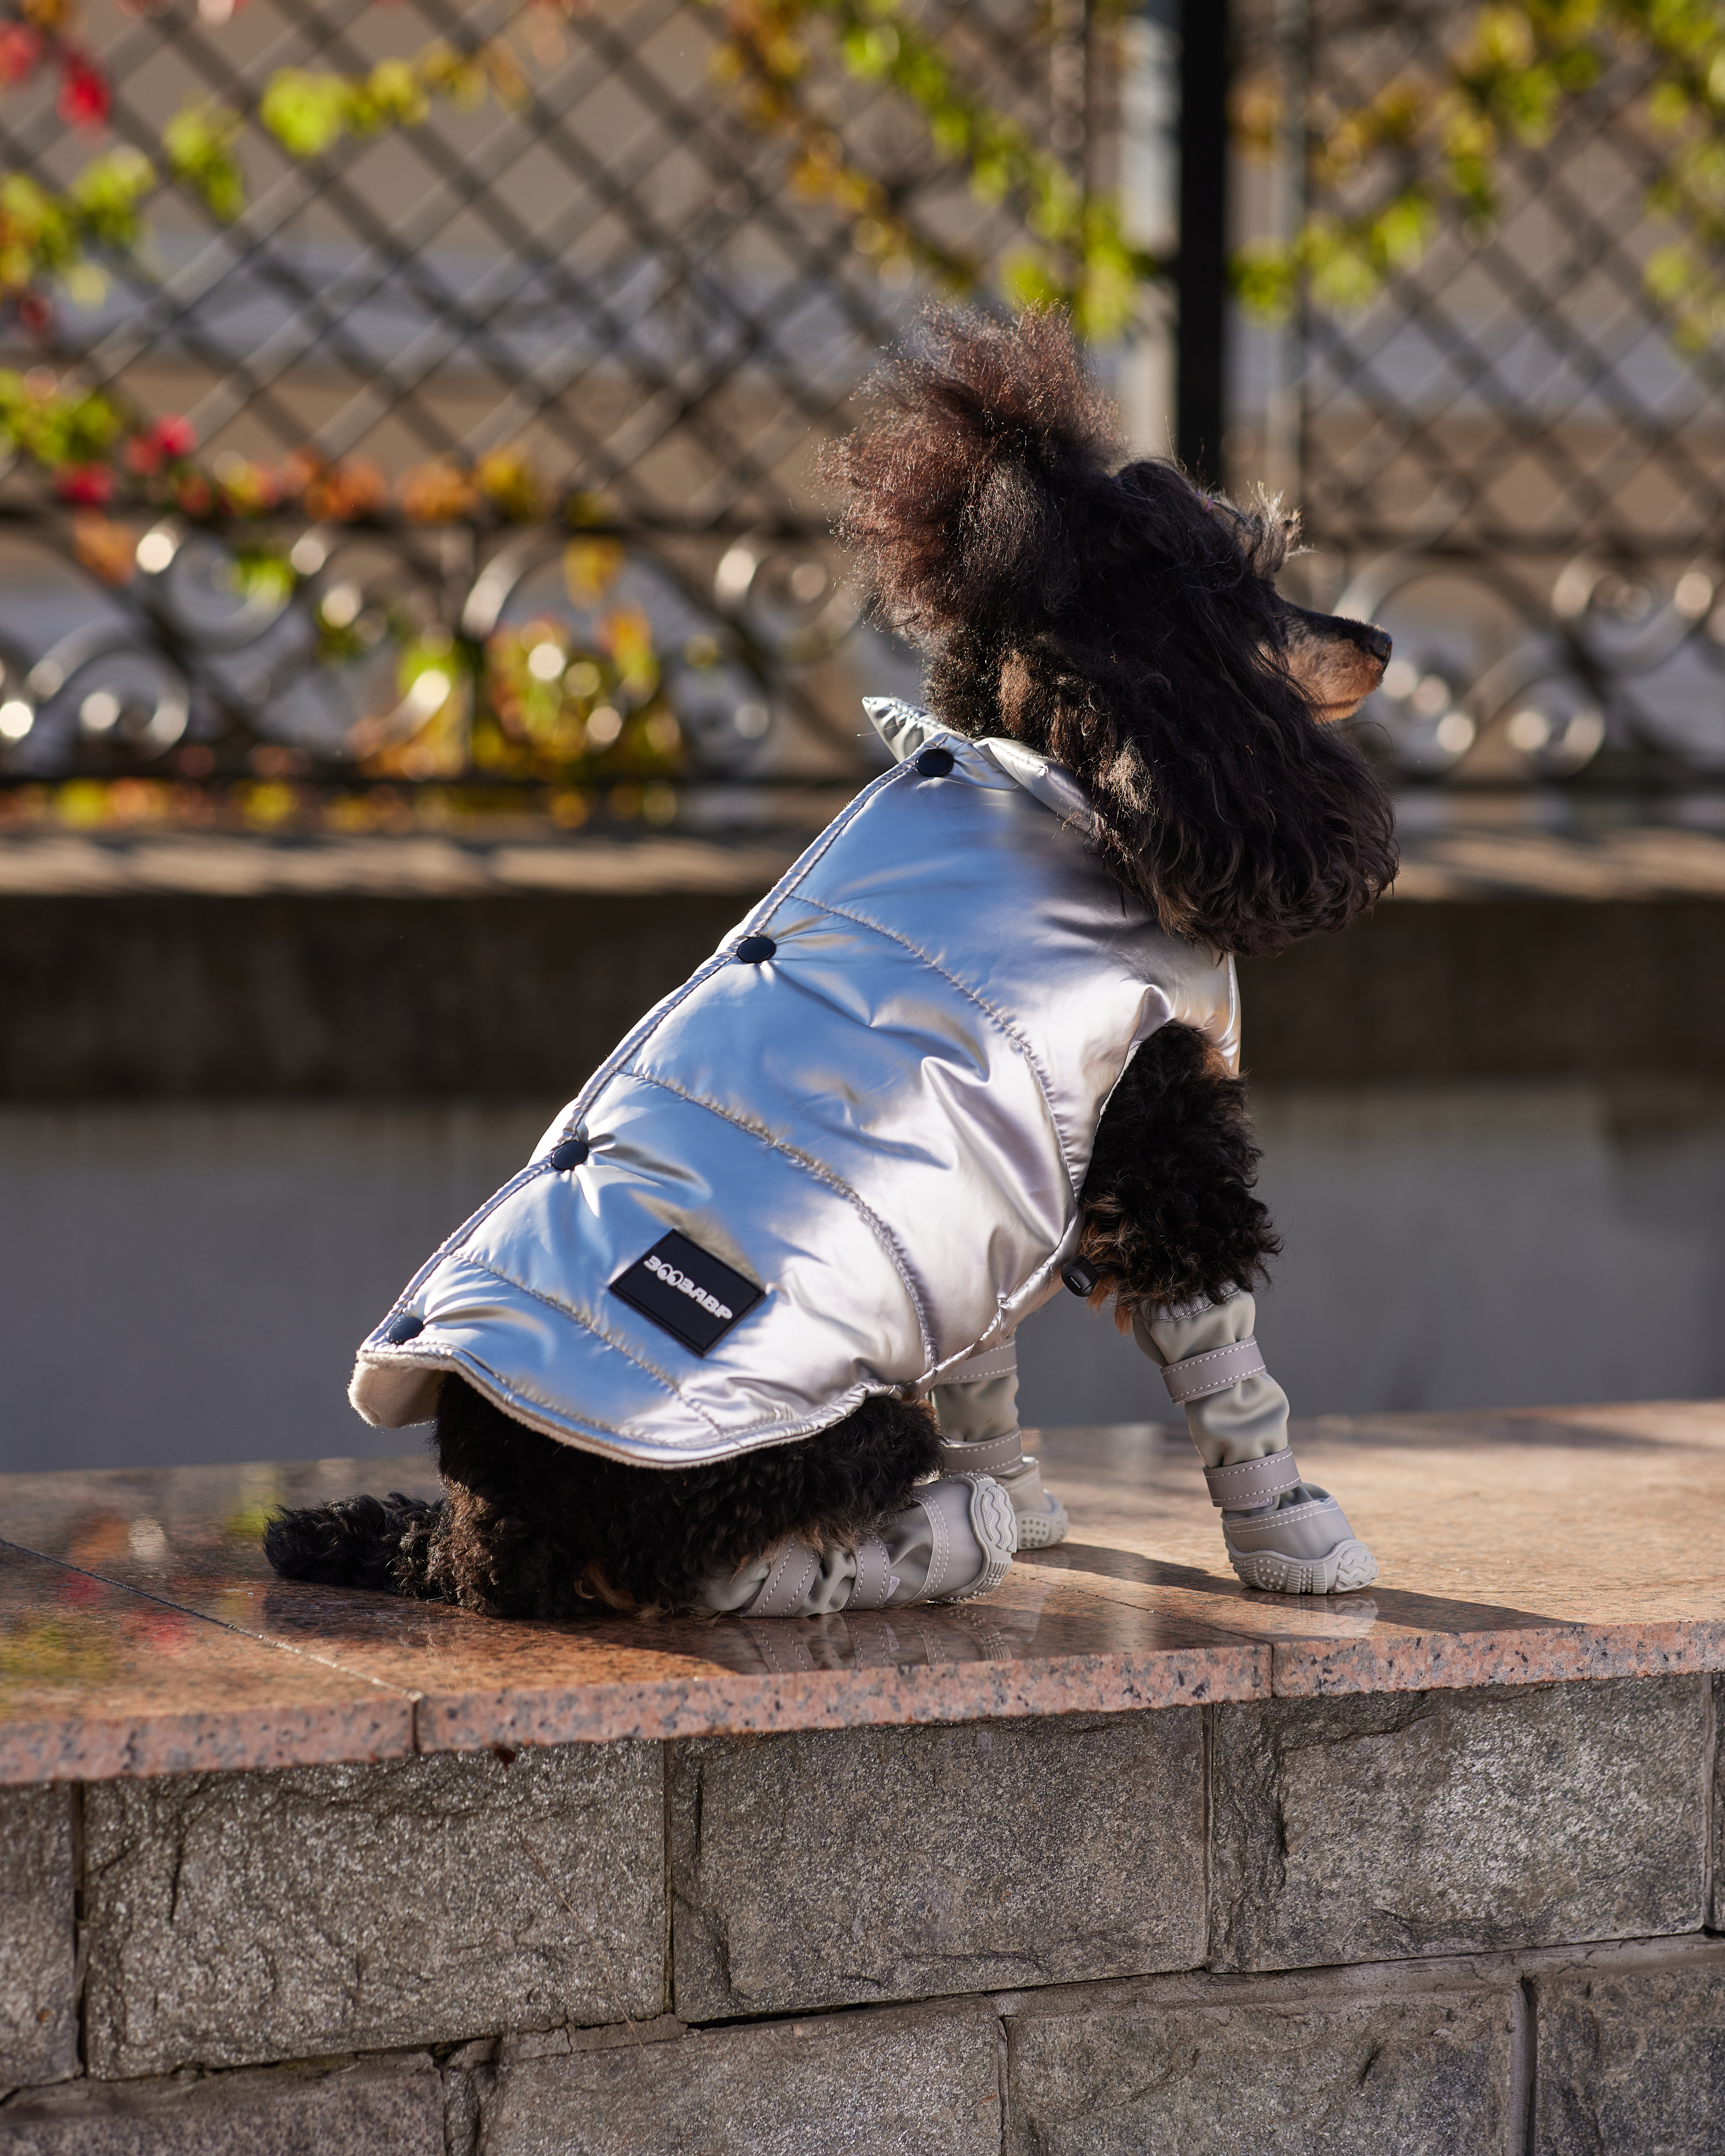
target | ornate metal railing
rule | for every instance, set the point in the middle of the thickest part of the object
(420, 402)
(411, 410)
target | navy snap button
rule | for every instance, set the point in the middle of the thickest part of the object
(405, 1327)
(568, 1153)
(754, 950)
(935, 762)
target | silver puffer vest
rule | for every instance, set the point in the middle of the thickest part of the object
(843, 1156)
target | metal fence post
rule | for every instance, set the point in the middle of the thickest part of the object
(1201, 272)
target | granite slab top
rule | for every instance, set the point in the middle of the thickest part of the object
(141, 1632)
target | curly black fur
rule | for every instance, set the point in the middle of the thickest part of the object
(1168, 1205)
(1120, 621)
(532, 1527)
(358, 1542)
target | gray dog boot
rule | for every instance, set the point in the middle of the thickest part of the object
(954, 1541)
(1282, 1534)
(978, 1404)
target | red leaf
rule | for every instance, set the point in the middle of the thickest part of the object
(89, 485)
(84, 96)
(20, 53)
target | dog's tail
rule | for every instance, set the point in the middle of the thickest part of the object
(387, 1542)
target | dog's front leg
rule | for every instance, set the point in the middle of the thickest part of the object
(1280, 1531)
(977, 1408)
(1172, 1231)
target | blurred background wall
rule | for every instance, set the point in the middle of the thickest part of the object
(420, 638)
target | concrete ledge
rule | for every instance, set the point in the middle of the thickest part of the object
(168, 995)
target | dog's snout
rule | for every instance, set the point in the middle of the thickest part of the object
(1372, 641)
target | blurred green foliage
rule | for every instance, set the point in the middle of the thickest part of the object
(1437, 135)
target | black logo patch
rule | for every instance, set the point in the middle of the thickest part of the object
(687, 1290)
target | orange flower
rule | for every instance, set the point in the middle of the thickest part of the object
(343, 491)
(296, 471)
(106, 549)
(436, 493)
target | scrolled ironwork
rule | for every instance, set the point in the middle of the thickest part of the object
(331, 653)
(1509, 683)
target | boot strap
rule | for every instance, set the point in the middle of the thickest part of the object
(1211, 1372)
(1251, 1482)
(784, 1587)
(1001, 1361)
(873, 1576)
(985, 1455)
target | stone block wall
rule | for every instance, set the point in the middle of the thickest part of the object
(1485, 1920)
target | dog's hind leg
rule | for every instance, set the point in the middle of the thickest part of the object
(386, 1542)
(954, 1541)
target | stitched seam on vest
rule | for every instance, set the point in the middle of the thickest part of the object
(644, 1027)
(841, 823)
(822, 1173)
(568, 1310)
(1043, 1086)
(454, 1245)
(463, 1365)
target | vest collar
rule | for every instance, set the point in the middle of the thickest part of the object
(907, 731)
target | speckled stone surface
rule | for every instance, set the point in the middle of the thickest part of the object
(140, 1631)
(1633, 2059)
(369, 2104)
(38, 2007)
(1421, 2070)
(924, 2079)
(237, 1918)
(1394, 1825)
(1047, 1852)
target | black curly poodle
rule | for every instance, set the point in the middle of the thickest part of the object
(1127, 624)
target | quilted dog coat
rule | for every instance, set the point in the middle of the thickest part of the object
(839, 1160)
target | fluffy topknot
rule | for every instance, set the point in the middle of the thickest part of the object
(986, 433)
(1120, 620)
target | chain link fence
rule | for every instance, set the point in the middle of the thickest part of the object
(1513, 452)
(414, 412)
(465, 439)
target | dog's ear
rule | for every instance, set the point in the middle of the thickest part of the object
(1124, 622)
(960, 488)
(1246, 823)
